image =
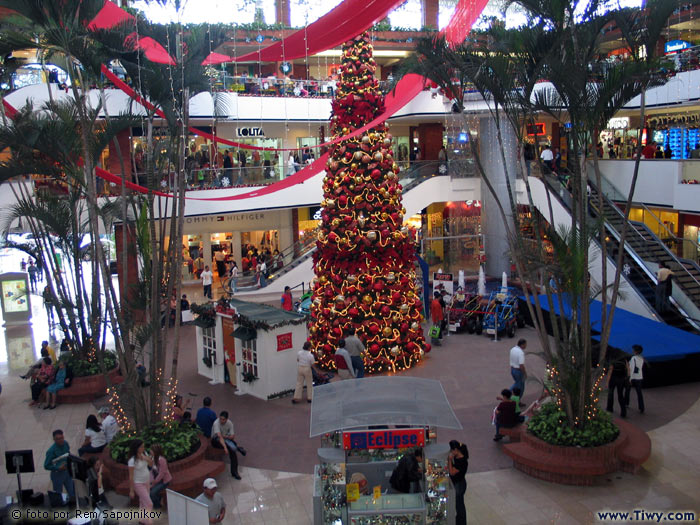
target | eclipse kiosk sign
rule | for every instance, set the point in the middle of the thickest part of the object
(368, 439)
(15, 303)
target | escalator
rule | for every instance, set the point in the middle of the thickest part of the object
(643, 252)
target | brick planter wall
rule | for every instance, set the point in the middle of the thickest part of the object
(87, 388)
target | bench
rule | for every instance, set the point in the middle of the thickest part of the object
(85, 389)
(513, 433)
(188, 481)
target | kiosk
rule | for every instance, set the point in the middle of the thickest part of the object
(15, 302)
(366, 426)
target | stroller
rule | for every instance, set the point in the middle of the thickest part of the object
(321, 378)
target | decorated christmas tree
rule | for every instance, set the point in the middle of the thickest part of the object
(364, 258)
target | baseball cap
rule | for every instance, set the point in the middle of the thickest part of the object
(210, 483)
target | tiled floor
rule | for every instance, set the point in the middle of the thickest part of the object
(276, 485)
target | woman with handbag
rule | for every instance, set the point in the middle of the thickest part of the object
(636, 377)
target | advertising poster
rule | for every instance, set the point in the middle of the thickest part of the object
(14, 296)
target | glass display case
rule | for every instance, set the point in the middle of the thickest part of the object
(329, 489)
(390, 509)
(438, 487)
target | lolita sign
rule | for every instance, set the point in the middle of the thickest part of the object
(369, 439)
(250, 132)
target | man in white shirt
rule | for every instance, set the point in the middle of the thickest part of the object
(222, 436)
(305, 362)
(547, 157)
(213, 500)
(517, 366)
(109, 423)
(207, 279)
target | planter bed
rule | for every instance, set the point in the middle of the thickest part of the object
(578, 465)
(87, 388)
(188, 473)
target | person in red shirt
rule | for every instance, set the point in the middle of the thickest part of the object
(436, 314)
(649, 150)
(505, 414)
(287, 300)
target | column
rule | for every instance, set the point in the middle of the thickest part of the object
(206, 249)
(236, 248)
(282, 13)
(431, 11)
(492, 226)
(287, 225)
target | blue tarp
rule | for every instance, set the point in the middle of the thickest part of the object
(661, 342)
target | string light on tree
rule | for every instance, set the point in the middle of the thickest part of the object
(118, 411)
(364, 261)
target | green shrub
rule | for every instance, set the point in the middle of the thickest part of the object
(83, 367)
(178, 441)
(549, 424)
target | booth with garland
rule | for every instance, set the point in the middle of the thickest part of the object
(366, 426)
(251, 346)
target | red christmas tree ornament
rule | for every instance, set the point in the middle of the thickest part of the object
(365, 255)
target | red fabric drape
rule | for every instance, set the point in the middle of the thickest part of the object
(9, 110)
(345, 21)
(109, 16)
(152, 49)
(465, 15)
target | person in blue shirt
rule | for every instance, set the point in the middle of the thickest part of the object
(206, 417)
(60, 477)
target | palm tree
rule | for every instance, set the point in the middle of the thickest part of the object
(559, 45)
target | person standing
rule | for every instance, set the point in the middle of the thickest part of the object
(355, 348)
(636, 377)
(139, 476)
(50, 351)
(305, 362)
(109, 424)
(32, 271)
(207, 279)
(213, 500)
(457, 465)
(517, 366)
(528, 156)
(287, 300)
(408, 472)
(436, 314)
(234, 276)
(222, 436)
(547, 157)
(619, 374)
(263, 271)
(220, 260)
(56, 462)
(206, 417)
(663, 287)
(199, 266)
(343, 362)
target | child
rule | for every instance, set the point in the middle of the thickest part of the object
(516, 398)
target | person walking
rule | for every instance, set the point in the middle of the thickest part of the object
(436, 316)
(517, 366)
(547, 158)
(287, 300)
(305, 362)
(619, 375)
(636, 377)
(343, 362)
(457, 465)
(56, 462)
(234, 276)
(139, 476)
(207, 279)
(355, 348)
(663, 287)
(215, 503)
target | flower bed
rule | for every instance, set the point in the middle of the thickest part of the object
(550, 426)
(178, 441)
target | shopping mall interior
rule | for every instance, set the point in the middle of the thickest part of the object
(223, 199)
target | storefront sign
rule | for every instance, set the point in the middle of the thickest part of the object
(284, 341)
(619, 123)
(403, 438)
(443, 281)
(538, 128)
(250, 132)
(674, 46)
(226, 218)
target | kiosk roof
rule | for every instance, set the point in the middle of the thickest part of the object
(359, 403)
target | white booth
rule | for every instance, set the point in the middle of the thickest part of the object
(253, 347)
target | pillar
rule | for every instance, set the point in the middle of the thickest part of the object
(282, 13)
(123, 138)
(131, 262)
(431, 12)
(206, 249)
(236, 248)
(492, 225)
